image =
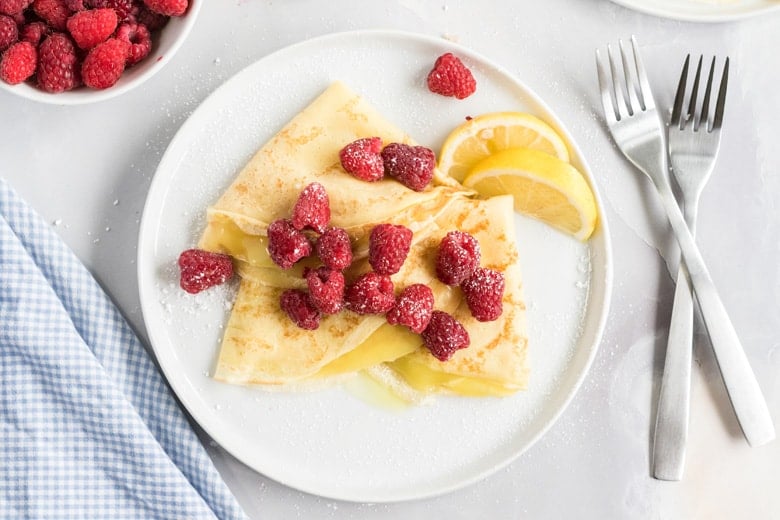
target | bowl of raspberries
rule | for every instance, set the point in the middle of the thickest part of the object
(70, 52)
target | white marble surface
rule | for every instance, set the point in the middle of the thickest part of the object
(87, 169)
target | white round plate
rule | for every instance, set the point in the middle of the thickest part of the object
(332, 442)
(702, 10)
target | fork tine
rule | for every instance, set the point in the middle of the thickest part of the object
(721, 102)
(620, 101)
(694, 94)
(645, 93)
(606, 97)
(635, 105)
(680, 96)
(704, 118)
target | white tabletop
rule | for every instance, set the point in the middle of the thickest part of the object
(87, 169)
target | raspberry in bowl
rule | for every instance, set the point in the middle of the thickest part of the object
(110, 46)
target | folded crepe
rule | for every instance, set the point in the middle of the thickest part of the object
(261, 345)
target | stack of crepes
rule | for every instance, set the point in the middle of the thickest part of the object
(262, 346)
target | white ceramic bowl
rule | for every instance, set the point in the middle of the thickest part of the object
(166, 43)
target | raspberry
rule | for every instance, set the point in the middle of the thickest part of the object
(75, 5)
(300, 309)
(458, 257)
(18, 62)
(444, 335)
(153, 21)
(413, 308)
(372, 293)
(388, 246)
(410, 165)
(334, 249)
(361, 158)
(13, 7)
(9, 32)
(167, 7)
(203, 269)
(33, 32)
(58, 64)
(89, 28)
(484, 291)
(312, 209)
(123, 8)
(53, 12)
(286, 245)
(137, 35)
(326, 289)
(450, 77)
(105, 63)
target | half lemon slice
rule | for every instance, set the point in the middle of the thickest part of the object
(487, 134)
(543, 186)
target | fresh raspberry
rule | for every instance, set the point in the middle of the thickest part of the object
(75, 5)
(137, 35)
(203, 269)
(58, 67)
(334, 249)
(444, 335)
(105, 63)
(153, 21)
(18, 62)
(89, 28)
(413, 308)
(13, 7)
(312, 209)
(300, 309)
(326, 289)
(410, 165)
(372, 293)
(167, 7)
(34, 32)
(123, 8)
(286, 245)
(450, 77)
(458, 257)
(53, 12)
(9, 32)
(388, 246)
(361, 158)
(484, 291)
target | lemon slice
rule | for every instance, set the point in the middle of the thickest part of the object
(543, 187)
(487, 134)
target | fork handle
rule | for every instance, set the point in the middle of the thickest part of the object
(740, 382)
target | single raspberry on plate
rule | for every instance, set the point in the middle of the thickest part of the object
(326, 289)
(53, 12)
(201, 270)
(89, 28)
(334, 249)
(388, 246)
(362, 159)
(167, 7)
(300, 309)
(139, 38)
(372, 293)
(413, 308)
(412, 166)
(286, 245)
(105, 63)
(153, 21)
(13, 7)
(9, 32)
(458, 257)
(450, 77)
(444, 335)
(312, 209)
(34, 32)
(58, 66)
(484, 291)
(124, 8)
(18, 62)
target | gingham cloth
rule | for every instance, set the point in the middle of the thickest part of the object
(88, 428)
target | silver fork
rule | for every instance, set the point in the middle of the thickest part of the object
(694, 140)
(637, 130)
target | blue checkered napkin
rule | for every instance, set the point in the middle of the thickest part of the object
(88, 428)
